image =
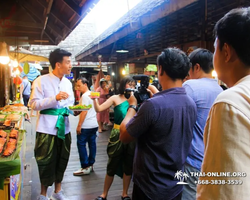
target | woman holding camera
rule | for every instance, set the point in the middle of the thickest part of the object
(120, 155)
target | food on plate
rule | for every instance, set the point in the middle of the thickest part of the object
(94, 94)
(10, 148)
(3, 134)
(2, 116)
(13, 133)
(80, 107)
(7, 122)
(18, 104)
(13, 117)
(2, 143)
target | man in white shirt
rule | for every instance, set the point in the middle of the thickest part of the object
(51, 95)
(86, 130)
(227, 130)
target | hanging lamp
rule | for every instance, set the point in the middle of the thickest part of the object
(4, 57)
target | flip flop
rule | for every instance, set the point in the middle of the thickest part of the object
(126, 198)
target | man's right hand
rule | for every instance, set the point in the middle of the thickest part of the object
(62, 96)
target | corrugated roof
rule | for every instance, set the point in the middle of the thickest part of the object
(133, 15)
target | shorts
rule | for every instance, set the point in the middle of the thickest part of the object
(52, 156)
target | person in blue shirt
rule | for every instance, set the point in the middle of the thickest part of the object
(163, 127)
(203, 89)
(25, 90)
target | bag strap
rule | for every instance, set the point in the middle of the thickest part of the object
(25, 87)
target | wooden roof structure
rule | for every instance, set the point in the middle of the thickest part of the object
(153, 25)
(44, 22)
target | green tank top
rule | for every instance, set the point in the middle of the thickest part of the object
(120, 112)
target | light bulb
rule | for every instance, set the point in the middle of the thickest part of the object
(123, 72)
(15, 63)
(113, 73)
(4, 60)
(17, 72)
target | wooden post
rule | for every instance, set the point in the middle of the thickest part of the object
(2, 86)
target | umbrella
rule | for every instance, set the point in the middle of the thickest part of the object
(22, 55)
(33, 73)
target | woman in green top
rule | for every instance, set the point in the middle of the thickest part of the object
(120, 155)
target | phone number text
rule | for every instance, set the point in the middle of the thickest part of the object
(219, 182)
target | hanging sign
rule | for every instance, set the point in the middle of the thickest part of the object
(26, 68)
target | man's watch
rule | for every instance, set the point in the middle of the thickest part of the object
(134, 107)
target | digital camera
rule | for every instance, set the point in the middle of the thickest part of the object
(140, 92)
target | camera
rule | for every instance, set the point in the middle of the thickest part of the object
(140, 92)
(157, 85)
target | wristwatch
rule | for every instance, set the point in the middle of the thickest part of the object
(134, 107)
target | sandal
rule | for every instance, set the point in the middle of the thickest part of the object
(100, 198)
(125, 198)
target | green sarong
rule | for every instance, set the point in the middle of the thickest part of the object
(60, 124)
(120, 155)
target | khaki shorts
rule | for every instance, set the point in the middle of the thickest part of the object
(52, 155)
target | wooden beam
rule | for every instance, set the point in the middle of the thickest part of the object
(84, 7)
(56, 15)
(48, 9)
(32, 12)
(21, 31)
(75, 8)
(25, 24)
(70, 19)
(82, 3)
(56, 30)
(141, 57)
(51, 39)
(34, 18)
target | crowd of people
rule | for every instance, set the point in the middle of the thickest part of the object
(190, 127)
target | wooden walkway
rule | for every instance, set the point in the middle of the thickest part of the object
(75, 187)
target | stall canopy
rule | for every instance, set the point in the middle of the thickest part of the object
(22, 57)
(33, 73)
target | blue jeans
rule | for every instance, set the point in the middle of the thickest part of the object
(87, 135)
(189, 190)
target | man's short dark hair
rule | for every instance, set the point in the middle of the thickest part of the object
(57, 56)
(204, 58)
(123, 83)
(83, 80)
(174, 62)
(234, 29)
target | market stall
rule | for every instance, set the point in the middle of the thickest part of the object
(12, 150)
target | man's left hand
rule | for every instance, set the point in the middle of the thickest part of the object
(77, 113)
(78, 130)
